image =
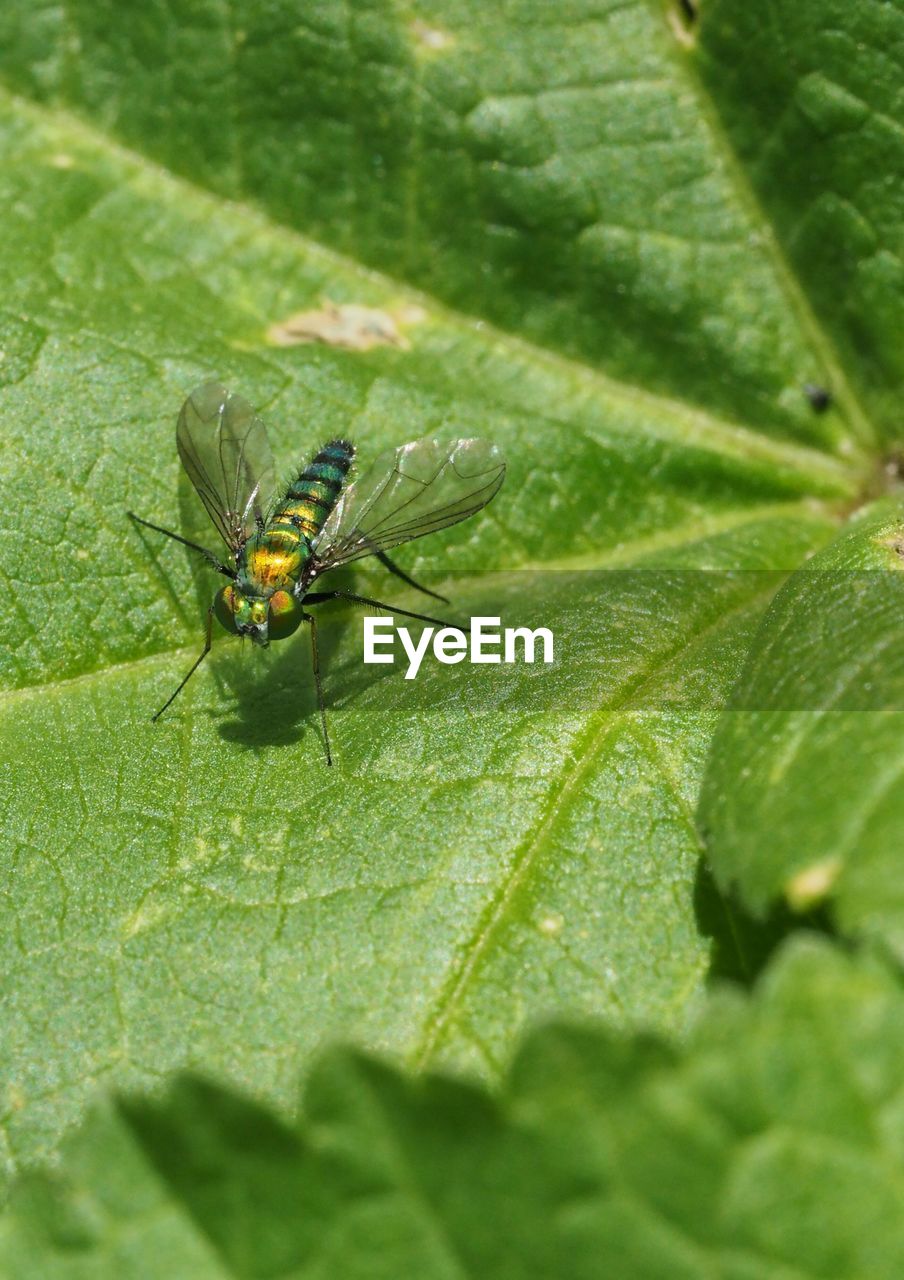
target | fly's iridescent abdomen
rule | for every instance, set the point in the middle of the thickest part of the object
(311, 497)
(277, 555)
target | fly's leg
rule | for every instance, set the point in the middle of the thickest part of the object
(204, 652)
(400, 573)
(315, 663)
(320, 597)
(208, 555)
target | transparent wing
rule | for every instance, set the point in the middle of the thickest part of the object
(224, 448)
(417, 489)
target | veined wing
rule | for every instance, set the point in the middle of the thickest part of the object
(417, 489)
(224, 448)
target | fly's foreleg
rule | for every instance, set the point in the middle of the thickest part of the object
(315, 663)
(204, 652)
(208, 555)
(406, 577)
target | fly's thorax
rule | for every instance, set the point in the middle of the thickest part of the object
(272, 560)
(263, 618)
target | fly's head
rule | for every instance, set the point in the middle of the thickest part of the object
(263, 618)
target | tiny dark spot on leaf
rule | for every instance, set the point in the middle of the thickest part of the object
(820, 397)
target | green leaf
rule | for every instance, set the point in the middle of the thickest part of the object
(492, 846)
(560, 173)
(808, 96)
(769, 1146)
(810, 749)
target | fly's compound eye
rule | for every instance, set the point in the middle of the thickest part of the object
(224, 604)
(285, 614)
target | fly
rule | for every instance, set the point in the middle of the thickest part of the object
(280, 544)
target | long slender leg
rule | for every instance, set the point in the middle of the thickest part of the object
(320, 597)
(400, 573)
(204, 652)
(208, 555)
(315, 662)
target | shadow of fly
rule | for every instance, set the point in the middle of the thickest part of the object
(281, 542)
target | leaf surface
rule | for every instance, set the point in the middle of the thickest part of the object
(602, 297)
(810, 748)
(565, 174)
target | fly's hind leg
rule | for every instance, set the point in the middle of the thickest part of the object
(321, 597)
(406, 577)
(315, 663)
(204, 652)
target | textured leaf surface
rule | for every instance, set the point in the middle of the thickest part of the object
(491, 847)
(809, 96)
(770, 1146)
(811, 747)
(562, 172)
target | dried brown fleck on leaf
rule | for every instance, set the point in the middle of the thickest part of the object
(347, 325)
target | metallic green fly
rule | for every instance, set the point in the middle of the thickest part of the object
(280, 545)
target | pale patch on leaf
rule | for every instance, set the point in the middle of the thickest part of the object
(347, 325)
(812, 885)
(430, 39)
(551, 924)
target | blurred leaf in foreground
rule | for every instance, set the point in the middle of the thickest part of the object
(768, 1148)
